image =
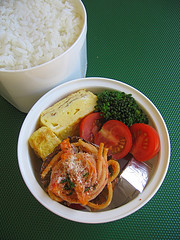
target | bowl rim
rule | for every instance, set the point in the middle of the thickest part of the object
(83, 31)
(80, 216)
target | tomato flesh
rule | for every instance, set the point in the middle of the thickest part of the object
(146, 142)
(90, 125)
(117, 137)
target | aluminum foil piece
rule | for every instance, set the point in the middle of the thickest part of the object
(137, 174)
(132, 181)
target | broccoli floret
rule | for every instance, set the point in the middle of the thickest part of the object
(120, 106)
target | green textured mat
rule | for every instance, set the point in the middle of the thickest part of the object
(135, 42)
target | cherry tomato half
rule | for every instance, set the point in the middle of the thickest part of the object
(146, 142)
(90, 125)
(117, 137)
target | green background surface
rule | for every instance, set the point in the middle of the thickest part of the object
(136, 42)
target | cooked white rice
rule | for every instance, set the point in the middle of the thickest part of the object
(36, 31)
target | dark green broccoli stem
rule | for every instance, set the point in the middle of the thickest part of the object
(120, 106)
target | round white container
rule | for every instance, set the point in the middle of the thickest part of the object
(22, 88)
(29, 166)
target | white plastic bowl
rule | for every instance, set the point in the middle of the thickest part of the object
(29, 166)
(22, 88)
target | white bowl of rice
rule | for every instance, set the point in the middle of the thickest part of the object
(30, 166)
(42, 44)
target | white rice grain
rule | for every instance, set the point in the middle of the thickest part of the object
(34, 32)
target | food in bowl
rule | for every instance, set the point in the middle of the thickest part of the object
(120, 207)
(79, 173)
(34, 32)
(63, 117)
(84, 168)
(43, 141)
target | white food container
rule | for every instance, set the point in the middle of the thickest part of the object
(22, 88)
(30, 167)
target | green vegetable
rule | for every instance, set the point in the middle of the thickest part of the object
(68, 183)
(120, 106)
(86, 174)
(86, 189)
